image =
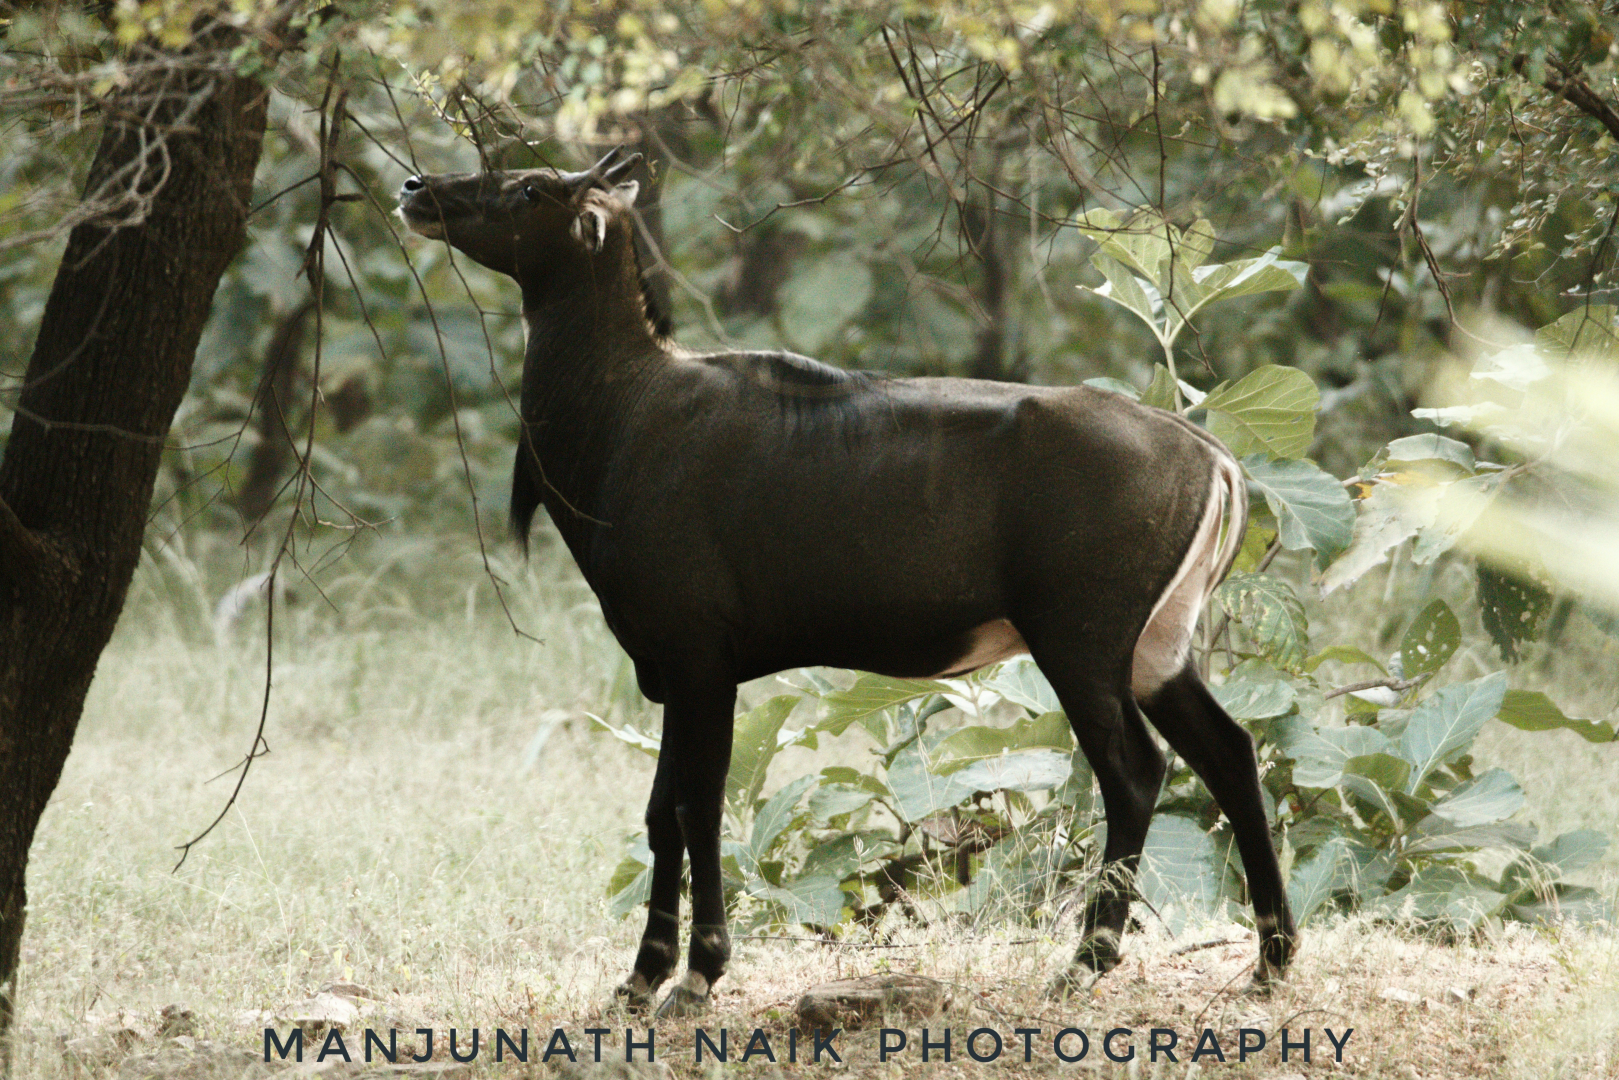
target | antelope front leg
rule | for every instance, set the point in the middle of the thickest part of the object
(697, 735)
(660, 943)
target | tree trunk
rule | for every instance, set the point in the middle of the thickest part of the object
(112, 360)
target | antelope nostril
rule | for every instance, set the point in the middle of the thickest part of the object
(415, 183)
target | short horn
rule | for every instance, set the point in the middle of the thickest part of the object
(605, 173)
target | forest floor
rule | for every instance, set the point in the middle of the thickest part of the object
(429, 840)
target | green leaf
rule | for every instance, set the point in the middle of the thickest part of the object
(1272, 614)
(1513, 605)
(1490, 797)
(753, 746)
(1270, 411)
(1432, 640)
(1312, 508)
(1197, 243)
(1432, 448)
(629, 888)
(1434, 835)
(1160, 394)
(1391, 514)
(1254, 691)
(1445, 724)
(1226, 281)
(647, 744)
(1572, 851)
(917, 790)
(1022, 683)
(1530, 710)
(774, 816)
(816, 900)
(980, 741)
(838, 858)
(1115, 386)
(1123, 289)
(1584, 334)
(1179, 863)
(1444, 895)
(1320, 756)
(1568, 903)
(1312, 881)
(1140, 243)
(835, 800)
(869, 695)
(1028, 770)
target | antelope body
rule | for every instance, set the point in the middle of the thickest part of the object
(741, 513)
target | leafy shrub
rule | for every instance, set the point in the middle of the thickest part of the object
(974, 793)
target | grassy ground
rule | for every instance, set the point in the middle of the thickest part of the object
(407, 835)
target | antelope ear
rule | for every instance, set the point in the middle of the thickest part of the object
(626, 192)
(590, 228)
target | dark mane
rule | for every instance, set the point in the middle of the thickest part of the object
(656, 317)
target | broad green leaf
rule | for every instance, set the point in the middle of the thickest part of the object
(1254, 691)
(1028, 770)
(1179, 863)
(753, 746)
(1160, 394)
(1585, 334)
(647, 744)
(838, 858)
(1442, 894)
(1573, 850)
(815, 900)
(633, 887)
(1022, 683)
(1197, 243)
(1256, 540)
(1530, 710)
(1226, 281)
(1270, 411)
(1123, 289)
(1312, 508)
(1568, 903)
(833, 800)
(1432, 640)
(1140, 243)
(775, 815)
(980, 741)
(1446, 723)
(1115, 386)
(1378, 778)
(1490, 797)
(1432, 448)
(1320, 756)
(1389, 515)
(1312, 881)
(917, 790)
(1434, 835)
(1459, 506)
(1514, 607)
(1271, 612)
(871, 694)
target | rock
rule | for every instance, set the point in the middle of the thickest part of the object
(1455, 995)
(848, 1003)
(321, 1013)
(1404, 997)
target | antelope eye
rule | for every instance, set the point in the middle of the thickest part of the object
(531, 193)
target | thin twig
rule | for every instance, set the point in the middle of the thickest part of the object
(1399, 685)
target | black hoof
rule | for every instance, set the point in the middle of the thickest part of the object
(682, 1002)
(635, 994)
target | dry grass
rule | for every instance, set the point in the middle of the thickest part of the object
(394, 839)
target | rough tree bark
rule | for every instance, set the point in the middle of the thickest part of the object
(112, 360)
